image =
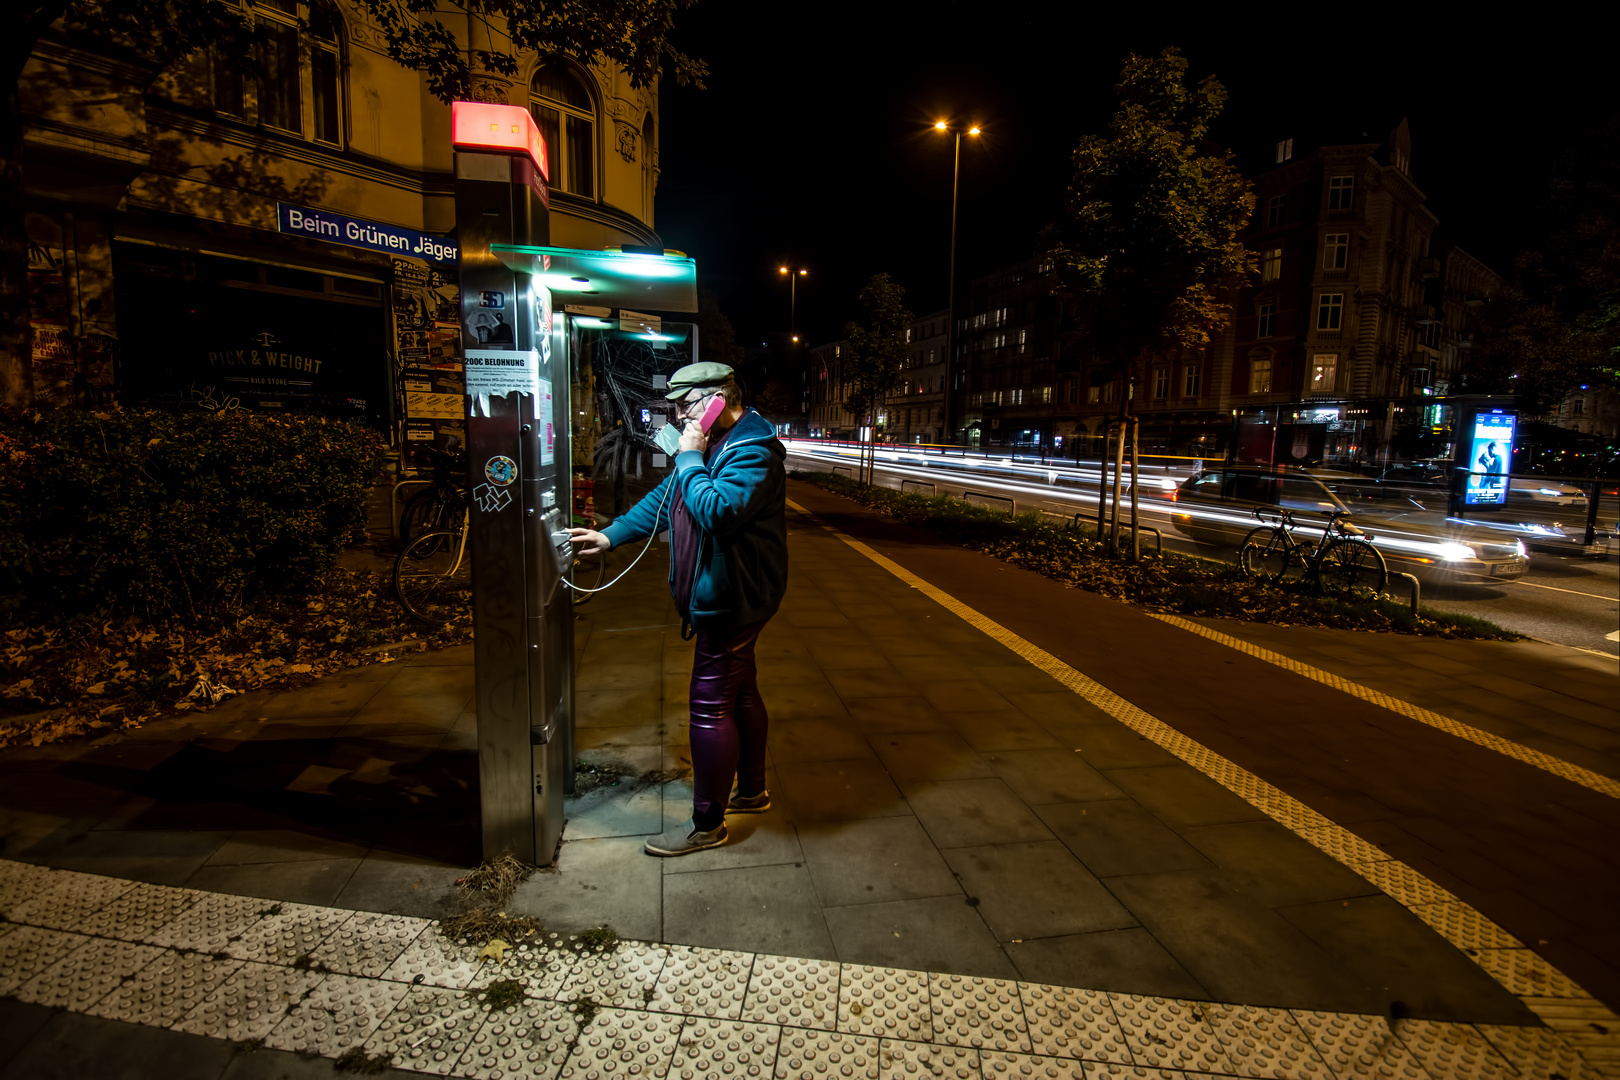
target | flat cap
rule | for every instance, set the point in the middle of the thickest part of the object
(694, 376)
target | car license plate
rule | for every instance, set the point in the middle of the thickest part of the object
(1506, 569)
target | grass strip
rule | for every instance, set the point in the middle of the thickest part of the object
(1174, 583)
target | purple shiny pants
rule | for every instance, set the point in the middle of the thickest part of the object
(728, 723)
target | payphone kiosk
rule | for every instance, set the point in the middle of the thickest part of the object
(516, 350)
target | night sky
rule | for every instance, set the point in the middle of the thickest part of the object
(812, 145)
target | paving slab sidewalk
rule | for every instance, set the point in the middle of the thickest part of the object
(940, 806)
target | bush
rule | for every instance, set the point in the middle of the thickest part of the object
(153, 513)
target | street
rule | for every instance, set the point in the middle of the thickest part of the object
(1564, 600)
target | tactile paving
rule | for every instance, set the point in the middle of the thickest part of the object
(1402, 882)
(712, 1049)
(1342, 844)
(1290, 812)
(542, 969)
(65, 899)
(1465, 928)
(340, 1014)
(793, 992)
(87, 974)
(1165, 1033)
(1538, 1052)
(622, 979)
(19, 883)
(1072, 1023)
(167, 989)
(1354, 1045)
(209, 925)
(250, 1002)
(623, 1043)
(1453, 1051)
(429, 1030)
(805, 1054)
(527, 1042)
(30, 950)
(1113, 1070)
(134, 915)
(901, 1059)
(367, 943)
(1265, 1042)
(286, 933)
(1002, 1066)
(1523, 972)
(982, 1013)
(435, 960)
(702, 982)
(889, 1002)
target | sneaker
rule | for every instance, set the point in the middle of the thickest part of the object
(749, 804)
(686, 839)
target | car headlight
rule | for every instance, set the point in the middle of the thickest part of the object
(1539, 530)
(1454, 552)
(1518, 546)
(1549, 491)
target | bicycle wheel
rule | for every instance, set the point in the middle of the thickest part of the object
(588, 572)
(433, 576)
(424, 512)
(1351, 564)
(1267, 553)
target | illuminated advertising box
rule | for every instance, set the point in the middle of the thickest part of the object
(1490, 457)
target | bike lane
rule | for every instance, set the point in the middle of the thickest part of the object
(1535, 853)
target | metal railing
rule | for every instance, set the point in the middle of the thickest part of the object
(844, 468)
(933, 489)
(1012, 507)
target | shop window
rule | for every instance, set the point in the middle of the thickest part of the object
(565, 109)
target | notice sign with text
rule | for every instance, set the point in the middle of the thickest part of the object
(498, 372)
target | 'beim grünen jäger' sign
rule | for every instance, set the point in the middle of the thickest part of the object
(358, 232)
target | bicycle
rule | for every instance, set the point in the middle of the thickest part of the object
(437, 507)
(1343, 559)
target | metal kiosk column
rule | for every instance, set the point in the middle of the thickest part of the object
(518, 470)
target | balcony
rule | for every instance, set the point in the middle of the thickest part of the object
(1327, 335)
(1427, 269)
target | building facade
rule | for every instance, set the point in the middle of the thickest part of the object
(279, 235)
(914, 411)
(1009, 359)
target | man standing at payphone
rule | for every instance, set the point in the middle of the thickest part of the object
(725, 506)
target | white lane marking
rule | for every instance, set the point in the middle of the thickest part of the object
(1612, 637)
(1554, 588)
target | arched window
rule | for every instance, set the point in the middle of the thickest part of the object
(298, 86)
(565, 109)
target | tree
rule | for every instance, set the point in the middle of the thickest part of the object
(717, 341)
(632, 33)
(1148, 246)
(779, 401)
(875, 348)
(1556, 324)
(1147, 251)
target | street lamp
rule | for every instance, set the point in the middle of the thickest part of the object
(793, 277)
(950, 303)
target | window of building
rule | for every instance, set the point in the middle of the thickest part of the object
(1285, 150)
(1341, 190)
(1260, 375)
(1577, 406)
(1108, 390)
(1093, 395)
(1043, 394)
(1335, 251)
(1161, 382)
(565, 110)
(1324, 373)
(1428, 334)
(1271, 264)
(299, 62)
(1015, 396)
(1074, 391)
(1276, 209)
(1329, 311)
(1266, 323)
(325, 74)
(1191, 377)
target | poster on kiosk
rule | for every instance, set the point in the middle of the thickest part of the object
(1488, 446)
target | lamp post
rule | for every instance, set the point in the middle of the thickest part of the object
(950, 303)
(793, 277)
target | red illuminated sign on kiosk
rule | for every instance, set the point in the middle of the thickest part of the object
(478, 125)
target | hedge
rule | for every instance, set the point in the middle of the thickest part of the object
(153, 513)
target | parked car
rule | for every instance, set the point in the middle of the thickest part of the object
(1219, 507)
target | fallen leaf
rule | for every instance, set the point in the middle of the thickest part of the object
(495, 950)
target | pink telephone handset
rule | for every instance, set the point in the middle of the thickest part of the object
(711, 413)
